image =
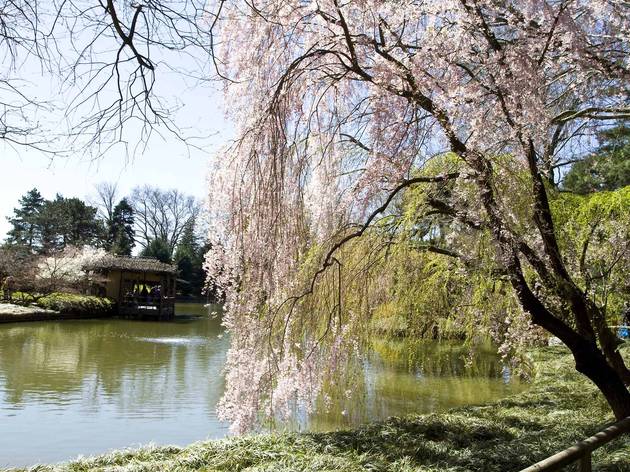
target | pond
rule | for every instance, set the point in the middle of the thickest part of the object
(84, 387)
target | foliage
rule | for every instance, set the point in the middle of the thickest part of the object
(64, 270)
(159, 249)
(414, 292)
(189, 257)
(25, 222)
(558, 410)
(161, 215)
(51, 225)
(75, 304)
(608, 168)
(120, 236)
(17, 269)
(594, 232)
(410, 285)
(68, 222)
(14, 260)
(334, 125)
(334, 105)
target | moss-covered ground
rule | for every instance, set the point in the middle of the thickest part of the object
(559, 409)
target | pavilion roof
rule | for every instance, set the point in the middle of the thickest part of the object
(132, 264)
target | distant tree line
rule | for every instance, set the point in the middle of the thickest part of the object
(43, 226)
(162, 223)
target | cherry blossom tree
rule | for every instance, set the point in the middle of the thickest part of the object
(341, 106)
(66, 270)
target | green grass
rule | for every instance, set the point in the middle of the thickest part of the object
(559, 409)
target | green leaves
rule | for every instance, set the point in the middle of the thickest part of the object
(594, 234)
(606, 169)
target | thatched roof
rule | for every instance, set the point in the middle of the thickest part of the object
(132, 264)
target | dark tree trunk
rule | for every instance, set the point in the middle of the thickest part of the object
(589, 359)
(591, 362)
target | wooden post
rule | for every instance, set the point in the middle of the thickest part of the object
(585, 462)
(121, 297)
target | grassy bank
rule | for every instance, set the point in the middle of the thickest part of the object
(559, 409)
(55, 306)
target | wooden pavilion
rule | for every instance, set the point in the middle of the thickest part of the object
(141, 287)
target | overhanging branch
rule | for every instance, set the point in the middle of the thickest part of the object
(593, 113)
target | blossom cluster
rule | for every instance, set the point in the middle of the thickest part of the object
(335, 105)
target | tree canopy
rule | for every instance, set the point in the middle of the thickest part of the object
(121, 229)
(161, 215)
(158, 249)
(48, 225)
(26, 229)
(340, 108)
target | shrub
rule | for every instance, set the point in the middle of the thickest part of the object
(69, 303)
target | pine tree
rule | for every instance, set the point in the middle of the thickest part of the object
(26, 230)
(120, 237)
(68, 222)
(81, 226)
(159, 249)
(189, 257)
(608, 168)
(186, 257)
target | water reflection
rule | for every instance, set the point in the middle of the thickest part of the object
(84, 387)
(400, 377)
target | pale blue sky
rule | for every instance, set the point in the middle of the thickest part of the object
(166, 163)
(183, 85)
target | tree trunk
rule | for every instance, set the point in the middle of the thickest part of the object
(592, 363)
(609, 343)
(589, 359)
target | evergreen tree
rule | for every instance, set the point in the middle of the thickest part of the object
(25, 222)
(120, 234)
(186, 256)
(51, 225)
(189, 257)
(606, 169)
(81, 225)
(159, 249)
(68, 222)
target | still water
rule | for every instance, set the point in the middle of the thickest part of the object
(84, 387)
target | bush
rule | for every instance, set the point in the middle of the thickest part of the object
(69, 303)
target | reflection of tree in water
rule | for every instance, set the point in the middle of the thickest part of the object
(134, 365)
(403, 376)
(149, 368)
(438, 359)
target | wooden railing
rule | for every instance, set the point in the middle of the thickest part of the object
(581, 451)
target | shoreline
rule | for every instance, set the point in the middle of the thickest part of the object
(559, 409)
(56, 306)
(11, 313)
(14, 313)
